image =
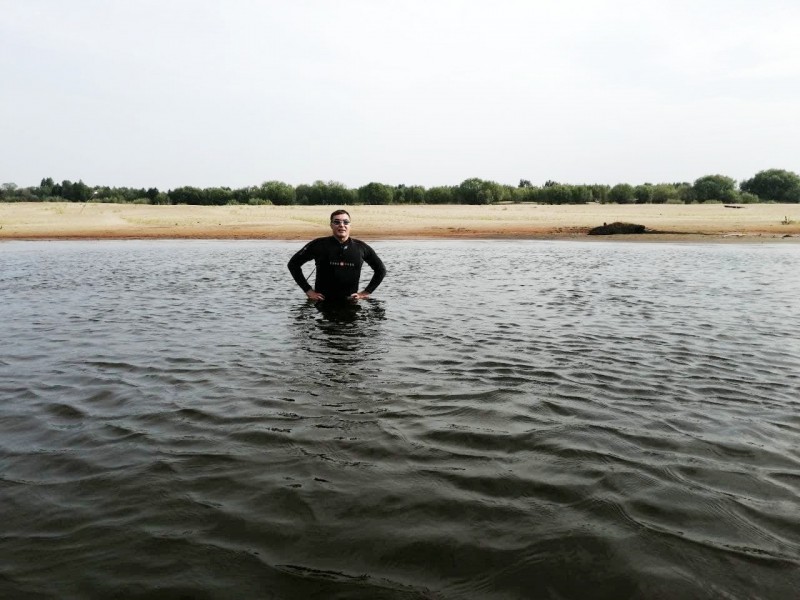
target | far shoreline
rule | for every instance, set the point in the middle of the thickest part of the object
(35, 221)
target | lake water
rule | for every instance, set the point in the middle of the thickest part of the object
(503, 420)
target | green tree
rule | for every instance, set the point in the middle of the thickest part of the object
(75, 192)
(580, 194)
(414, 194)
(643, 193)
(104, 193)
(685, 192)
(777, 185)
(526, 194)
(622, 193)
(492, 192)
(600, 193)
(714, 187)
(336, 193)
(129, 194)
(162, 198)
(375, 193)
(46, 187)
(663, 193)
(187, 195)
(243, 195)
(277, 192)
(219, 196)
(304, 194)
(478, 191)
(748, 198)
(66, 189)
(556, 193)
(325, 193)
(7, 190)
(440, 195)
(469, 189)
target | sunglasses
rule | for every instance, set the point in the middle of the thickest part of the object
(340, 222)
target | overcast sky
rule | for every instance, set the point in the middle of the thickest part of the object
(233, 93)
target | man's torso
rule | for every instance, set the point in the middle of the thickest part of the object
(338, 266)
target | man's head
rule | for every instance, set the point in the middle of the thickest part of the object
(340, 224)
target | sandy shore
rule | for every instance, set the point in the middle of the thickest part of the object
(757, 222)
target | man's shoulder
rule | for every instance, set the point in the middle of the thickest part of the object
(313, 247)
(366, 250)
(321, 241)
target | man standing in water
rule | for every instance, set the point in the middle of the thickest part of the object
(338, 260)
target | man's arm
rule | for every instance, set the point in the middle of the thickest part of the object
(304, 255)
(378, 269)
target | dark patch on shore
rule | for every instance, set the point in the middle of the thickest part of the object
(617, 228)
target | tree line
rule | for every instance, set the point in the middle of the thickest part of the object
(771, 185)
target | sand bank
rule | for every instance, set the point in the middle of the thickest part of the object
(531, 221)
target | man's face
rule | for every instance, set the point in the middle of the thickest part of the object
(340, 226)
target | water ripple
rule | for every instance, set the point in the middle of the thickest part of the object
(553, 421)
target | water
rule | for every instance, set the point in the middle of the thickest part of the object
(503, 420)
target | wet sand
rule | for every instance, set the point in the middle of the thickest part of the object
(673, 222)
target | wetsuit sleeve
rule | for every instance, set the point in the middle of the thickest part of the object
(305, 254)
(379, 270)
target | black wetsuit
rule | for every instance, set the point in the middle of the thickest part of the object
(338, 267)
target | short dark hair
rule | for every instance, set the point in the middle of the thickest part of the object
(341, 211)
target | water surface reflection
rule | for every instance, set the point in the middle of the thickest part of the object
(568, 421)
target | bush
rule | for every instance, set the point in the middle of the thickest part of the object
(440, 195)
(774, 184)
(622, 193)
(616, 228)
(748, 198)
(375, 193)
(714, 187)
(275, 192)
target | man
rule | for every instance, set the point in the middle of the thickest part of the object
(338, 260)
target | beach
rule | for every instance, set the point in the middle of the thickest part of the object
(670, 222)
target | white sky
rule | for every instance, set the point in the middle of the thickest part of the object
(234, 92)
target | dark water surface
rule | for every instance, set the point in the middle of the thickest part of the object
(503, 420)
